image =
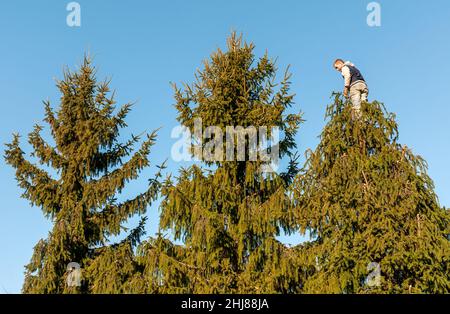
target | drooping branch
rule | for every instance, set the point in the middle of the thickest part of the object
(46, 154)
(40, 189)
(100, 190)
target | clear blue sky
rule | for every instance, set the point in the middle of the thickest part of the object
(144, 45)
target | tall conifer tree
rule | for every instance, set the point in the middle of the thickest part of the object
(91, 168)
(371, 209)
(229, 213)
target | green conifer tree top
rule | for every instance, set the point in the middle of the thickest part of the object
(229, 216)
(92, 170)
(367, 199)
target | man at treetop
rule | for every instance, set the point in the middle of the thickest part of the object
(355, 86)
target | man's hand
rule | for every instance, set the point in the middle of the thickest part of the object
(346, 90)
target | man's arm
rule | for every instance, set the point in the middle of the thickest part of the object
(346, 75)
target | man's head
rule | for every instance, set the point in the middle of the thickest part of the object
(338, 64)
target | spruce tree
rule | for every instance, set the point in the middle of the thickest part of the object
(371, 209)
(90, 167)
(228, 213)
